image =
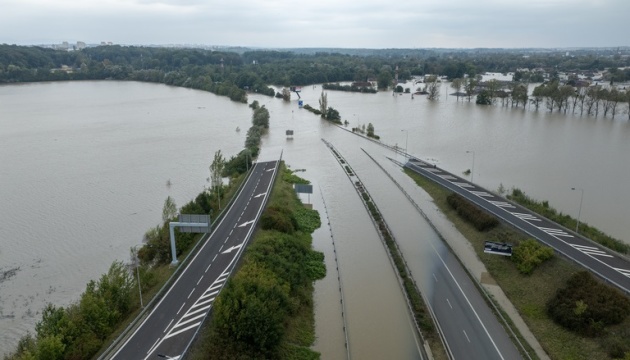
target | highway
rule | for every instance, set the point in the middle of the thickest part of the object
(468, 325)
(600, 260)
(170, 327)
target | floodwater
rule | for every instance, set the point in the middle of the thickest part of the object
(85, 165)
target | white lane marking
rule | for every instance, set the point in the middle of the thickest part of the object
(464, 185)
(259, 195)
(448, 177)
(153, 346)
(209, 294)
(229, 250)
(180, 308)
(623, 271)
(435, 278)
(466, 335)
(199, 279)
(202, 303)
(246, 223)
(449, 303)
(182, 330)
(525, 216)
(433, 170)
(191, 292)
(589, 250)
(169, 325)
(231, 231)
(179, 324)
(554, 232)
(190, 313)
(268, 170)
(469, 304)
(214, 258)
(502, 204)
(481, 193)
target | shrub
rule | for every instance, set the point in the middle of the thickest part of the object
(586, 306)
(529, 254)
(280, 219)
(481, 220)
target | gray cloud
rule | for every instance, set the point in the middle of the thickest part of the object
(324, 23)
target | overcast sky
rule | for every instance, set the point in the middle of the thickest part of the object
(320, 23)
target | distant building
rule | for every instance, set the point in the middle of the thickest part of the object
(81, 45)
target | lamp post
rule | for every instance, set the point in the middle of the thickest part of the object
(472, 171)
(134, 251)
(406, 140)
(580, 210)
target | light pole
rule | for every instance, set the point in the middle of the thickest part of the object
(406, 140)
(472, 171)
(579, 211)
(134, 251)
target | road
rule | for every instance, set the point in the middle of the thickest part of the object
(172, 324)
(470, 328)
(600, 260)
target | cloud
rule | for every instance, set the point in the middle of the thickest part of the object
(324, 23)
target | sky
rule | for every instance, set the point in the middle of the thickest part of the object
(320, 23)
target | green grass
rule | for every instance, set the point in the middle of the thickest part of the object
(529, 294)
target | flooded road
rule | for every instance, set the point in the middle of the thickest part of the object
(89, 161)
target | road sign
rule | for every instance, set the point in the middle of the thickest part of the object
(503, 249)
(203, 220)
(303, 188)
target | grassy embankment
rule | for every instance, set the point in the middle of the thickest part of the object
(530, 293)
(543, 208)
(266, 308)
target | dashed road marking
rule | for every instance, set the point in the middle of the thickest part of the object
(462, 184)
(169, 325)
(466, 335)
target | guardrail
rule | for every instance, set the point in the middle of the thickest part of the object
(424, 215)
(358, 186)
(183, 264)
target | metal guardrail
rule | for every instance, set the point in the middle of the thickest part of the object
(424, 215)
(357, 186)
(183, 264)
(203, 321)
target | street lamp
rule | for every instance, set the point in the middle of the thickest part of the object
(406, 140)
(136, 260)
(579, 211)
(472, 172)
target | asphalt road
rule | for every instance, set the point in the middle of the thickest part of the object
(594, 257)
(172, 324)
(469, 326)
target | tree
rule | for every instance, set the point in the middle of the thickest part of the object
(323, 104)
(456, 84)
(370, 130)
(432, 88)
(169, 210)
(470, 86)
(384, 79)
(484, 98)
(216, 173)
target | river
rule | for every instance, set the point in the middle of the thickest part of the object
(85, 167)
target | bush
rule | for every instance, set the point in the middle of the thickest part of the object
(481, 220)
(529, 254)
(586, 306)
(280, 219)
